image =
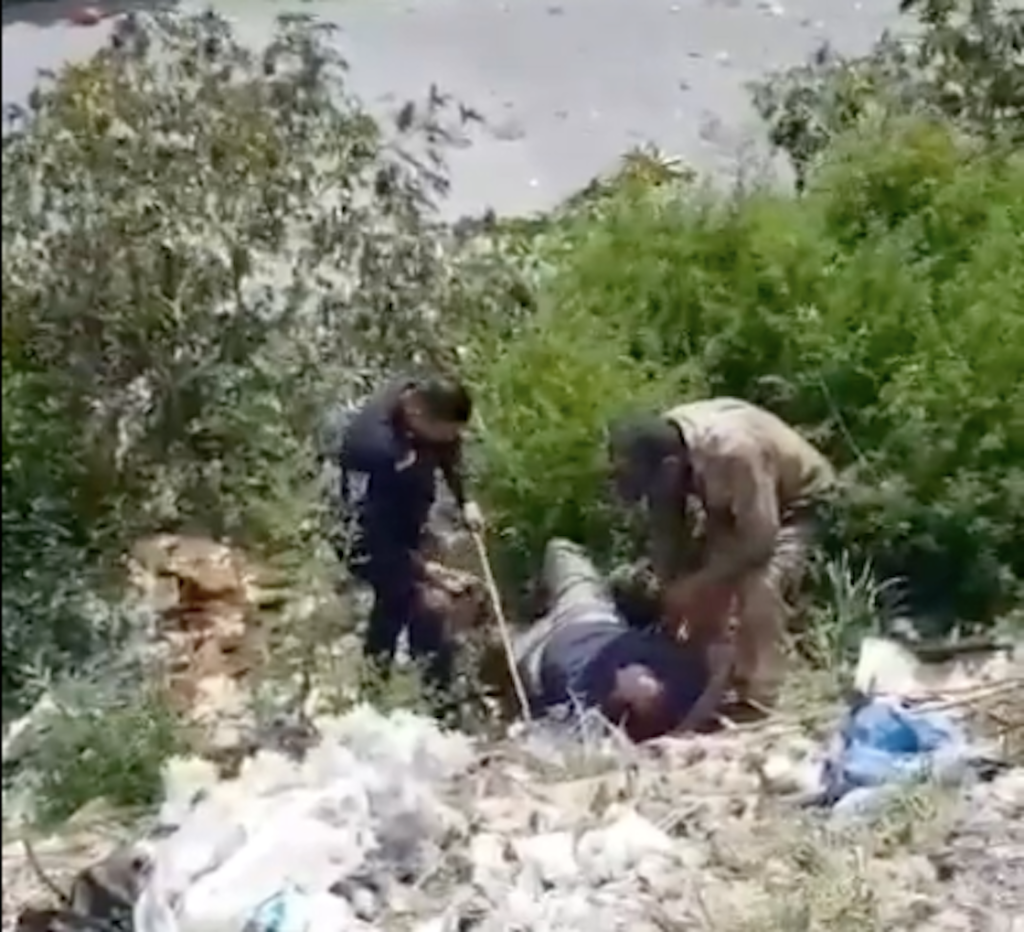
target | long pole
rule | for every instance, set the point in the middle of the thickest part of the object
(503, 629)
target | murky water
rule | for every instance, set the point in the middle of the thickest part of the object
(568, 85)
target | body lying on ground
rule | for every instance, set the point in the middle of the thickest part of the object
(583, 653)
(733, 495)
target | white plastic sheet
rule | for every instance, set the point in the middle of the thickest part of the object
(271, 850)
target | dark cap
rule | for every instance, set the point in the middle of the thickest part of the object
(639, 445)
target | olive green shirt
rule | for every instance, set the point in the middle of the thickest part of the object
(751, 470)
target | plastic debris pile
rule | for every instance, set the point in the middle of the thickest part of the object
(391, 824)
(386, 823)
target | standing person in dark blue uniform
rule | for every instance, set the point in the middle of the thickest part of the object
(396, 444)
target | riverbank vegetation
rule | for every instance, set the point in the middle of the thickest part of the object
(205, 248)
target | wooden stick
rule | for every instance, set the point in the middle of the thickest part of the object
(978, 696)
(503, 629)
(757, 706)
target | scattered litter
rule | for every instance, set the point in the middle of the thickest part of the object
(272, 850)
(389, 821)
(885, 743)
(888, 667)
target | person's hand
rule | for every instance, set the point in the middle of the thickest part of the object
(447, 580)
(406, 461)
(678, 603)
(473, 517)
(695, 603)
(720, 660)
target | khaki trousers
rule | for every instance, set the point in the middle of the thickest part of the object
(762, 611)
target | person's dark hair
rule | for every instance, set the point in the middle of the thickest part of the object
(645, 440)
(637, 600)
(639, 447)
(445, 399)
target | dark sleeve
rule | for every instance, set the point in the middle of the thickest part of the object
(686, 674)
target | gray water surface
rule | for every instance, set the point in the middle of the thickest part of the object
(566, 85)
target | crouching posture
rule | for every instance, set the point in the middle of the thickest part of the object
(732, 493)
(582, 652)
(397, 443)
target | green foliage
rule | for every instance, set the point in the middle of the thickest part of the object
(883, 312)
(546, 397)
(855, 602)
(45, 556)
(204, 246)
(174, 270)
(100, 741)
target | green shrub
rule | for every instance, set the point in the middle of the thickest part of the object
(883, 312)
(103, 737)
(46, 545)
(546, 396)
(176, 276)
(204, 247)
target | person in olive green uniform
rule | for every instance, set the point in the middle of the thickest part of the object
(731, 492)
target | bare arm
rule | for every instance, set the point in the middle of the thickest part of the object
(720, 659)
(452, 468)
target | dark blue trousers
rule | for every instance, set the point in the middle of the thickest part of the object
(398, 607)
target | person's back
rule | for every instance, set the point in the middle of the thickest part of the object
(717, 428)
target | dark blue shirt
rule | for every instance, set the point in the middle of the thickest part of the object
(391, 503)
(580, 663)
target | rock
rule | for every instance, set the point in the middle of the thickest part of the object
(551, 857)
(86, 16)
(206, 596)
(616, 850)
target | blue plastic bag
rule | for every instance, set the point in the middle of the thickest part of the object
(883, 742)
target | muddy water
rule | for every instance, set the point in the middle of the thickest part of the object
(567, 85)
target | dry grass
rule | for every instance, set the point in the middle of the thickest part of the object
(800, 875)
(754, 862)
(998, 712)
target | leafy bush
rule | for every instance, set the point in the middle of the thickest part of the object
(203, 247)
(546, 396)
(175, 271)
(98, 740)
(883, 312)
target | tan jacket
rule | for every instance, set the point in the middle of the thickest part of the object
(752, 471)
